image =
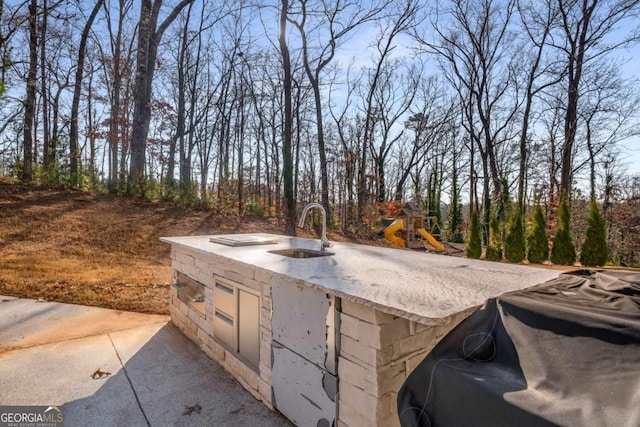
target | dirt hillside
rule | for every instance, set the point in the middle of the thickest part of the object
(97, 249)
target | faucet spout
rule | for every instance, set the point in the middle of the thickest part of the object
(324, 242)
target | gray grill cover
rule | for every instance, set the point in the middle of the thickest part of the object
(566, 352)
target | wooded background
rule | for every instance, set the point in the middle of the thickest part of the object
(485, 105)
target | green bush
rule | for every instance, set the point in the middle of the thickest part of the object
(474, 246)
(254, 206)
(494, 249)
(514, 249)
(594, 250)
(537, 240)
(563, 252)
(170, 190)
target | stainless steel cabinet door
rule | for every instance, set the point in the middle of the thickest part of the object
(249, 327)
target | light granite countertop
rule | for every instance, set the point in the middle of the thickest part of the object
(415, 285)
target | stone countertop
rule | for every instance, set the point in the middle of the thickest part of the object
(415, 285)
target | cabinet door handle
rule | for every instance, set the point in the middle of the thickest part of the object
(224, 288)
(224, 318)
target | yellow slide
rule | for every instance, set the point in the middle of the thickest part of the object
(390, 233)
(439, 247)
(391, 230)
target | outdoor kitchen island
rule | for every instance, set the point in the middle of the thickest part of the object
(326, 340)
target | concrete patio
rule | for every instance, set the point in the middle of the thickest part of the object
(112, 368)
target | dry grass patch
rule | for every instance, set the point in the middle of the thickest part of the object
(99, 249)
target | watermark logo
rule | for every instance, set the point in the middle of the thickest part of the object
(31, 416)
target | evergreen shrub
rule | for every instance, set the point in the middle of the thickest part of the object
(537, 240)
(594, 250)
(563, 252)
(514, 247)
(494, 249)
(474, 245)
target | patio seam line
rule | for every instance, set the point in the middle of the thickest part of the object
(9, 349)
(126, 374)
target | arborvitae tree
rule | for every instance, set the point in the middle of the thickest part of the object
(494, 249)
(454, 215)
(563, 252)
(537, 241)
(474, 246)
(594, 250)
(503, 204)
(514, 243)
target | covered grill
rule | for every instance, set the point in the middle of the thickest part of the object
(566, 352)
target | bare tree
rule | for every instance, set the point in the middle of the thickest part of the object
(11, 20)
(193, 103)
(48, 144)
(338, 20)
(149, 37)
(43, 84)
(348, 132)
(73, 134)
(30, 100)
(609, 112)
(430, 125)
(287, 167)
(117, 66)
(474, 47)
(584, 25)
(551, 122)
(537, 19)
(3, 50)
(180, 127)
(389, 29)
(58, 83)
(393, 101)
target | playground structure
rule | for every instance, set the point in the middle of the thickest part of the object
(408, 230)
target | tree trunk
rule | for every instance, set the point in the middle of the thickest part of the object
(522, 166)
(287, 167)
(530, 93)
(91, 127)
(142, 99)
(324, 180)
(73, 131)
(30, 101)
(570, 125)
(45, 99)
(577, 46)
(149, 36)
(115, 115)
(185, 173)
(382, 186)
(592, 164)
(54, 127)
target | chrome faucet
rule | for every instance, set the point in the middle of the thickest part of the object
(324, 242)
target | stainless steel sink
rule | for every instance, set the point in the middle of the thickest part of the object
(300, 253)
